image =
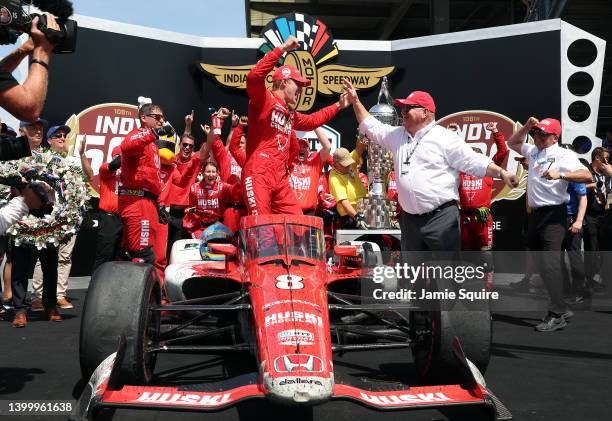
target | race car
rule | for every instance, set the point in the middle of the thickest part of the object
(273, 295)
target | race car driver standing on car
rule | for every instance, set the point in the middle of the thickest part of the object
(140, 176)
(272, 117)
(475, 203)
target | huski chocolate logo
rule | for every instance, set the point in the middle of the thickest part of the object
(102, 127)
(471, 127)
(317, 46)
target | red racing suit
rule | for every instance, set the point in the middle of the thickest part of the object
(304, 181)
(475, 194)
(141, 180)
(230, 171)
(209, 202)
(271, 122)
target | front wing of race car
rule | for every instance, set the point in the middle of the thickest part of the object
(102, 392)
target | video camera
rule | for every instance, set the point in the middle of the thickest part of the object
(35, 186)
(14, 22)
(13, 147)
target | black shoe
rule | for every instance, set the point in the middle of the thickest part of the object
(524, 285)
(551, 323)
(574, 300)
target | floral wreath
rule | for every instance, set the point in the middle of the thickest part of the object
(68, 182)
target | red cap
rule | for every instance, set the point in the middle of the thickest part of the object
(289, 72)
(550, 126)
(420, 98)
(116, 151)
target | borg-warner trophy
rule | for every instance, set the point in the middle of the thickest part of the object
(379, 211)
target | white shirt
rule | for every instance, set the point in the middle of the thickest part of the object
(12, 212)
(543, 192)
(432, 176)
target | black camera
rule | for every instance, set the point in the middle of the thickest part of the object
(14, 22)
(14, 148)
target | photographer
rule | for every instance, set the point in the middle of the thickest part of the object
(26, 101)
(17, 208)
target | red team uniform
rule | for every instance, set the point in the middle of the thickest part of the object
(271, 122)
(140, 176)
(304, 181)
(474, 194)
(209, 202)
(230, 172)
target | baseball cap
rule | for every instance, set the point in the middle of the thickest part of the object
(419, 98)
(343, 157)
(28, 123)
(289, 72)
(56, 129)
(116, 151)
(550, 126)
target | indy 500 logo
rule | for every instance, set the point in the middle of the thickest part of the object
(471, 127)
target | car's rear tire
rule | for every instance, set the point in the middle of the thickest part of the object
(433, 333)
(118, 302)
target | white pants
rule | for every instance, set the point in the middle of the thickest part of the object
(63, 270)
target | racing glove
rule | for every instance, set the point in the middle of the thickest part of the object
(482, 213)
(164, 131)
(163, 215)
(115, 164)
(395, 224)
(360, 221)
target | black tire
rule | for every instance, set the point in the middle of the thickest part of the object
(433, 352)
(118, 301)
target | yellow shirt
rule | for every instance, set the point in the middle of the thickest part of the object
(345, 186)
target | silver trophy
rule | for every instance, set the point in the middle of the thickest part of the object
(376, 208)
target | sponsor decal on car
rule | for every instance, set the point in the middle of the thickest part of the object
(293, 317)
(403, 399)
(297, 380)
(298, 362)
(199, 399)
(295, 337)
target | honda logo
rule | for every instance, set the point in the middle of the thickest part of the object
(298, 362)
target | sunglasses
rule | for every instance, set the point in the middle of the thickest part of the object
(187, 145)
(540, 132)
(158, 117)
(58, 135)
(407, 108)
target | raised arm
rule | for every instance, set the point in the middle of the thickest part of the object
(87, 170)
(500, 142)
(234, 147)
(518, 138)
(325, 144)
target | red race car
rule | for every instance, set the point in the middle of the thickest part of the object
(276, 298)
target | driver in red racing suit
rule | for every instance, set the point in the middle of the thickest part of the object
(272, 117)
(475, 201)
(141, 185)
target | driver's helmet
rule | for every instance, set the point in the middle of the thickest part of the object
(216, 233)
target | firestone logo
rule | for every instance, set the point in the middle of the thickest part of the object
(471, 127)
(102, 127)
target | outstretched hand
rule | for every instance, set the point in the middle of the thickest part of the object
(350, 91)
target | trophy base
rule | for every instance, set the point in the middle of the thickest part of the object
(378, 212)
